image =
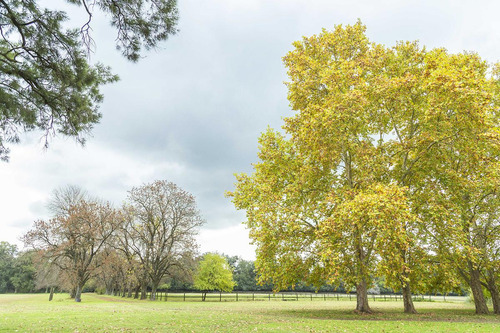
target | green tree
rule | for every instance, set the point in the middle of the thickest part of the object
(214, 273)
(47, 82)
(7, 259)
(244, 276)
(23, 275)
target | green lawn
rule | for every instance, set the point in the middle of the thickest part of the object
(33, 313)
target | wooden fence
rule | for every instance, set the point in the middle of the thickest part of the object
(287, 296)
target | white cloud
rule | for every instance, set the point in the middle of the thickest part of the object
(233, 241)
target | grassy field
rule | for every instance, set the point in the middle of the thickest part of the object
(33, 313)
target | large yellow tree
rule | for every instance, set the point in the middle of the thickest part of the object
(344, 194)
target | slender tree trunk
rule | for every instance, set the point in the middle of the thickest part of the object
(493, 289)
(51, 296)
(407, 300)
(78, 294)
(362, 297)
(477, 290)
(136, 293)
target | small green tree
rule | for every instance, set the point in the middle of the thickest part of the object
(214, 273)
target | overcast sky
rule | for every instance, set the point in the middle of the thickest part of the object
(191, 112)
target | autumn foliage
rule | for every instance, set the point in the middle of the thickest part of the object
(388, 167)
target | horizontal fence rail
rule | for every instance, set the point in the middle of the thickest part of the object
(289, 296)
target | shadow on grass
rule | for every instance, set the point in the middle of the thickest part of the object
(438, 315)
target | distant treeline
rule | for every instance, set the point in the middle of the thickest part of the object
(18, 275)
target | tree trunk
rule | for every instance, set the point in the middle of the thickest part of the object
(136, 293)
(51, 296)
(477, 290)
(362, 298)
(72, 292)
(153, 292)
(144, 291)
(78, 294)
(129, 292)
(408, 302)
(203, 296)
(493, 289)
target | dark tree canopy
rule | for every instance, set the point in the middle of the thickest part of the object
(46, 80)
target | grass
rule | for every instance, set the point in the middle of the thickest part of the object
(33, 313)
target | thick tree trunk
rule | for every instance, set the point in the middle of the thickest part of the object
(153, 292)
(144, 291)
(362, 297)
(477, 291)
(407, 300)
(51, 296)
(72, 292)
(493, 289)
(136, 293)
(78, 294)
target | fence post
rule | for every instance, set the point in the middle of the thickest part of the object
(236, 296)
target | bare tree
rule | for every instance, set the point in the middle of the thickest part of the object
(162, 221)
(63, 198)
(73, 241)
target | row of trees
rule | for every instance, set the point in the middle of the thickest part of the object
(149, 238)
(389, 168)
(21, 272)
